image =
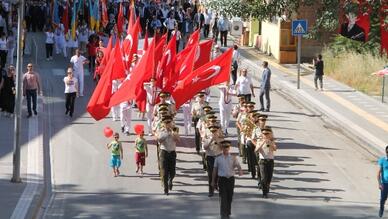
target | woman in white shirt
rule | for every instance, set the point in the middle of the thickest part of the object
(244, 85)
(71, 88)
(265, 148)
(49, 44)
(3, 50)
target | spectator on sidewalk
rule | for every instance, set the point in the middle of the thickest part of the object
(7, 92)
(31, 88)
(214, 27)
(224, 168)
(71, 90)
(318, 64)
(49, 44)
(224, 27)
(382, 179)
(3, 49)
(235, 63)
(244, 85)
(78, 62)
(11, 44)
(265, 87)
(206, 25)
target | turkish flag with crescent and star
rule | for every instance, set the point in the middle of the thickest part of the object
(194, 38)
(141, 73)
(212, 73)
(130, 43)
(165, 68)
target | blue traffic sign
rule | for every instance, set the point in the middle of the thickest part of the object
(299, 27)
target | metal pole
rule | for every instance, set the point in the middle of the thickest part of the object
(299, 55)
(18, 103)
(383, 89)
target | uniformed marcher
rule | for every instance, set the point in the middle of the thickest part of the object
(224, 168)
(163, 102)
(212, 146)
(197, 112)
(167, 137)
(209, 118)
(186, 109)
(237, 110)
(247, 128)
(259, 120)
(265, 148)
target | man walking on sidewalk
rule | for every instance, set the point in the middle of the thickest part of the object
(265, 87)
(31, 88)
(318, 64)
(78, 62)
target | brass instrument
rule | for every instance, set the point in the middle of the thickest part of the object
(247, 126)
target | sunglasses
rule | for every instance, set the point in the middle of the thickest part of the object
(29, 66)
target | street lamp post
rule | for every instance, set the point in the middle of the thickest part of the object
(18, 106)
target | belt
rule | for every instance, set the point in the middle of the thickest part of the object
(224, 177)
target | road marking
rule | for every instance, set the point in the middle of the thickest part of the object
(34, 170)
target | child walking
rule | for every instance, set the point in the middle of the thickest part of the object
(141, 149)
(117, 154)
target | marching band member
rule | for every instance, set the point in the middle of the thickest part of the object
(197, 112)
(212, 147)
(167, 137)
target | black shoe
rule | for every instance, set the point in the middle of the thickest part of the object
(381, 211)
(253, 176)
(267, 110)
(210, 194)
(71, 114)
(166, 191)
(170, 185)
(35, 113)
(122, 129)
(261, 109)
(67, 111)
(265, 196)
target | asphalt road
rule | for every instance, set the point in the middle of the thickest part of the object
(319, 173)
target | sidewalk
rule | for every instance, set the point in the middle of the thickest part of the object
(359, 116)
(21, 200)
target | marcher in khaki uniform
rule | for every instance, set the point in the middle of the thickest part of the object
(211, 144)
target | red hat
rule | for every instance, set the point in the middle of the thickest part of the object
(139, 128)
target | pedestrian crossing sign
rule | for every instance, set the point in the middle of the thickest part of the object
(299, 27)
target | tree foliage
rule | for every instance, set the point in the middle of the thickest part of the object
(327, 15)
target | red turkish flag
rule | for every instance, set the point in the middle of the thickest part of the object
(120, 20)
(193, 39)
(132, 18)
(188, 65)
(142, 72)
(212, 73)
(65, 18)
(181, 57)
(118, 66)
(130, 43)
(104, 13)
(165, 67)
(98, 106)
(203, 53)
(107, 52)
(145, 45)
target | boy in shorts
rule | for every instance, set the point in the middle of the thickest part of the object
(141, 151)
(117, 154)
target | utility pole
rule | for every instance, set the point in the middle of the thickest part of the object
(299, 55)
(18, 103)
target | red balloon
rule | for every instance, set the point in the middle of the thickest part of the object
(108, 132)
(139, 128)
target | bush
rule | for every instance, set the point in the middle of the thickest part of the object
(354, 68)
